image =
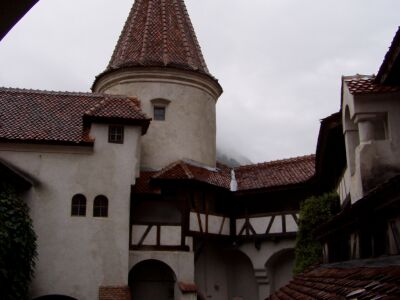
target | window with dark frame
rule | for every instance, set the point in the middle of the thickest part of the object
(78, 205)
(116, 134)
(159, 113)
(100, 206)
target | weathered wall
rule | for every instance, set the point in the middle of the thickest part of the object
(76, 255)
(189, 130)
(375, 119)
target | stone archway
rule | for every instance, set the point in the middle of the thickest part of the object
(225, 273)
(280, 269)
(152, 279)
(242, 282)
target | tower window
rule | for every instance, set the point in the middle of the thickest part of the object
(100, 207)
(78, 205)
(159, 113)
(116, 134)
(160, 108)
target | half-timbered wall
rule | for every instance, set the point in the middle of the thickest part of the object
(209, 224)
(267, 224)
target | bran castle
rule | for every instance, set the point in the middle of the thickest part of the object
(125, 193)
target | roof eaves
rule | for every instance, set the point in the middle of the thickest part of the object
(85, 143)
(391, 57)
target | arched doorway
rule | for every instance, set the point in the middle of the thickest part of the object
(55, 297)
(224, 273)
(152, 279)
(280, 269)
(241, 279)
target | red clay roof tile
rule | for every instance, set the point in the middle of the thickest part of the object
(343, 283)
(265, 175)
(366, 85)
(43, 116)
(143, 186)
(158, 33)
(276, 173)
(183, 170)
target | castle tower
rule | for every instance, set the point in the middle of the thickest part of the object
(158, 59)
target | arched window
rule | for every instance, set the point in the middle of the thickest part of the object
(78, 205)
(100, 206)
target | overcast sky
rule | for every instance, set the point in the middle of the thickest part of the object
(279, 62)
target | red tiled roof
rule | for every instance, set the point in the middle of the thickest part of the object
(265, 175)
(120, 107)
(331, 283)
(366, 85)
(43, 116)
(276, 173)
(158, 33)
(142, 184)
(182, 170)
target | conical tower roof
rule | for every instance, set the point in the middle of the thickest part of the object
(158, 33)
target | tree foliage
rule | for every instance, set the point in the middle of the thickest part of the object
(17, 245)
(314, 211)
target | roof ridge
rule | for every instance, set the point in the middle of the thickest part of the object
(182, 30)
(145, 32)
(166, 169)
(164, 33)
(70, 93)
(51, 92)
(127, 27)
(95, 107)
(193, 35)
(277, 161)
(359, 77)
(185, 168)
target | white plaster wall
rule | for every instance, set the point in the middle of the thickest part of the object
(189, 130)
(139, 230)
(291, 225)
(277, 226)
(215, 223)
(239, 226)
(260, 224)
(170, 235)
(76, 255)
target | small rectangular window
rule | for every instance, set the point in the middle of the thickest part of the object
(116, 134)
(159, 113)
